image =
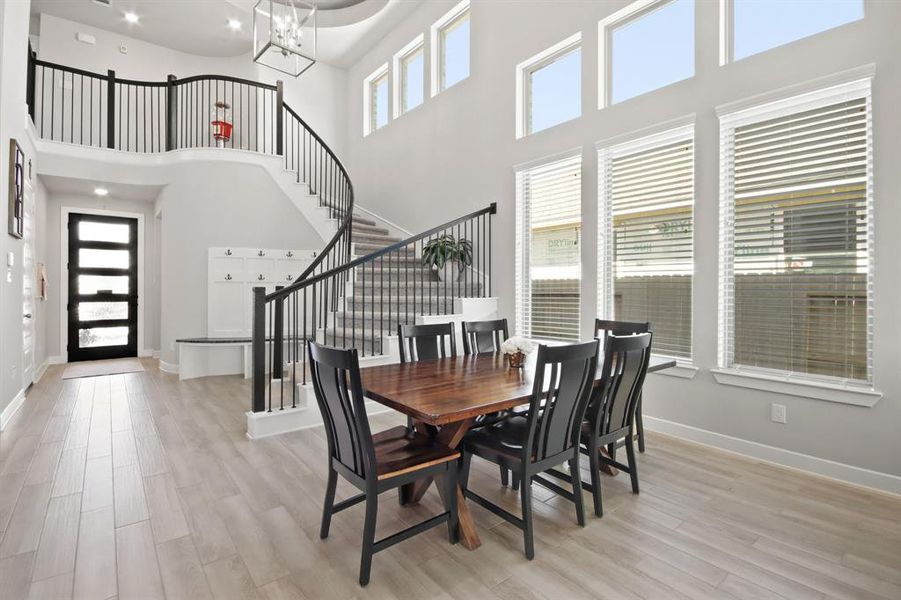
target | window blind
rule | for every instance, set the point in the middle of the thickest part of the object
(548, 238)
(647, 200)
(797, 240)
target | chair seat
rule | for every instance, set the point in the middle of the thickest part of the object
(399, 450)
(503, 440)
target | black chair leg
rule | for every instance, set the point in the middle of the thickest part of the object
(450, 482)
(595, 468)
(633, 465)
(329, 503)
(372, 507)
(515, 484)
(639, 423)
(611, 451)
(576, 476)
(505, 476)
(526, 496)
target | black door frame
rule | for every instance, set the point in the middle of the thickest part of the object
(130, 349)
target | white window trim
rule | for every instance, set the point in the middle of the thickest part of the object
(435, 56)
(367, 97)
(857, 84)
(521, 263)
(606, 26)
(529, 66)
(727, 32)
(418, 43)
(670, 132)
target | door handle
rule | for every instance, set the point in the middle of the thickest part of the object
(27, 315)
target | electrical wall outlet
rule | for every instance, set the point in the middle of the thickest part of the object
(777, 413)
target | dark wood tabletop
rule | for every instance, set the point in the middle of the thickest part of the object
(446, 390)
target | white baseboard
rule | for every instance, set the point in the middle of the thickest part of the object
(11, 409)
(169, 367)
(39, 372)
(155, 354)
(59, 359)
(883, 482)
(146, 353)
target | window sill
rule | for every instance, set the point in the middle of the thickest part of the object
(683, 370)
(786, 384)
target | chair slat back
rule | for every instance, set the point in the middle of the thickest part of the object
(626, 361)
(603, 327)
(484, 337)
(339, 392)
(564, 376)
(426, 342)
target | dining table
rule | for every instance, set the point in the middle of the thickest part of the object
(445, 396)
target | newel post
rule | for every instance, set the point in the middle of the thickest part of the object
(110, 109)
(171, 112)
(278, 337)
(279, 117)
(258, 350)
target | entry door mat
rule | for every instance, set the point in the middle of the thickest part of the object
(97, 368)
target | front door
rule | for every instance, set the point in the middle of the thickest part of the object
(103, 284)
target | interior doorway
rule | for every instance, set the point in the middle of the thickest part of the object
(102, 287)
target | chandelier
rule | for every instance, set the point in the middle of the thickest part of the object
(284, 35)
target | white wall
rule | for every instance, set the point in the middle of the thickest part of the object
(456, 153)
(216, 204)
(55, 302)
(13, 61)
(318, 96)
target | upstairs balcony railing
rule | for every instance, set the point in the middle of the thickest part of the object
(75, 106)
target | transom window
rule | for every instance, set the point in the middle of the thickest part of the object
(645, 46)
(549, 87)
(645, 240)
(450, 48)
(797, 236)
(754, 26)
(548, 249)
(409, 80)
(375, 90)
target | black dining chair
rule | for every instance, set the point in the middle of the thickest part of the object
(484, 337)
(426, 342)
(530, 444)
(601, 329)
(373, 463)
(610, 415)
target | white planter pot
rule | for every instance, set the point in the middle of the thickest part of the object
(450, 272)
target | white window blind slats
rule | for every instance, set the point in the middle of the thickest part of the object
(646, 251)
(548, 238)
(796, 238)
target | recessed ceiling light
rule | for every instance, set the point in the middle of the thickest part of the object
(235, 24)
(101, 191)
(131, 17)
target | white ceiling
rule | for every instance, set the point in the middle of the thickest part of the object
(346, 27)
(117, 191)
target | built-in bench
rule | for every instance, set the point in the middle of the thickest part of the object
(206, 356)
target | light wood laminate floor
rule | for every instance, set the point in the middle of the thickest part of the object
(141, 486)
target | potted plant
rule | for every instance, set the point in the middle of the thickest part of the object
(447, 256)
(516, 349)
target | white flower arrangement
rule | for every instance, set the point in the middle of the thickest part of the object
(517, 344)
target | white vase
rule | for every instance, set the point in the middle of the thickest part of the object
(450, 272)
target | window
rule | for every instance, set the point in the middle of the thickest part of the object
(375, 100)
(758, 25)
(409, 81)
(548, 242)
(796, 237)
(450, 48)
(647, 45)
(549, 87)
(645, 245)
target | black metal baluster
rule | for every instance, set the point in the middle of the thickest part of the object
(81, 111)
(52, 103)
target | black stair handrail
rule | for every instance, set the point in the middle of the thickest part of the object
(160, 116)
(388, 286)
